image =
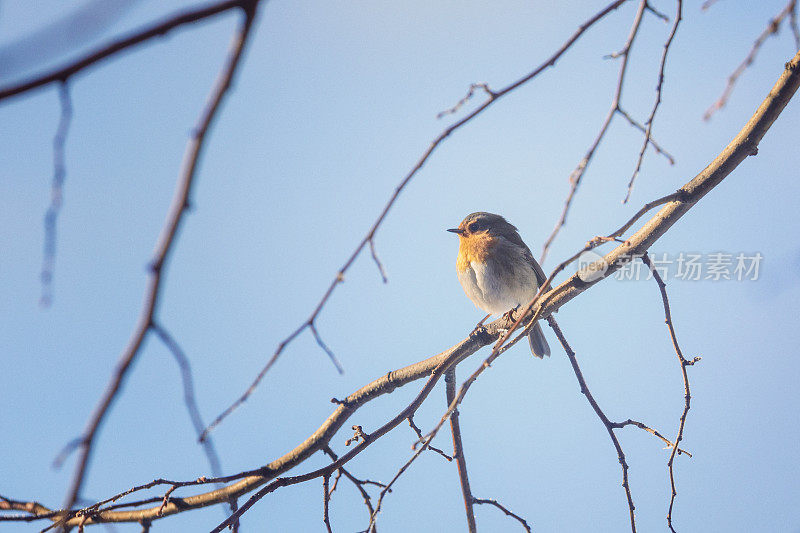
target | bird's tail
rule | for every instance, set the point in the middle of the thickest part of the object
(538, 343)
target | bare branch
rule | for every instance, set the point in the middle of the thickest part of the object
(793, 24)
(327, 350)
(521, 520)
(772, 29)
(659, 86)
(650, 430)
(458, 451)
(601, 415)
(35, 510)
(687, 393)
(420, 438)
(326, 498)
(137, 37)
(166, 240)
(649, 140)
(188, 395)
(359, 483)
(56, 194)
(377, 261)
(480, 86)
(656, 12)
(577, 174)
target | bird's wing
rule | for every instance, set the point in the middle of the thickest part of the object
(516, 239)
(537, 269)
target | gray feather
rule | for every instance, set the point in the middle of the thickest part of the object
(539, 346)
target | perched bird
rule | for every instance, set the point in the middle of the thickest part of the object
(497, 270)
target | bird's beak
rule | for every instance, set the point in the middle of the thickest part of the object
(456, 230)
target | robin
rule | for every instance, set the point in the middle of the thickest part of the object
(497, 270)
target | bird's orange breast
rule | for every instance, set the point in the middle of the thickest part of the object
(474, 248)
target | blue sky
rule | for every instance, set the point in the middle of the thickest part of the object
(332, 106)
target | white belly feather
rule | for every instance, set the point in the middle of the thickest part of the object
(482, 284)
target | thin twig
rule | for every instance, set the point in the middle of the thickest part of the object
(93, 510)
(600, 414)
(577, 174)
(326, 498)
(327, 350)
(647, 207)
(188, 395)
(772, 29)
(164, 246)
(481, 86)
(359, 483)
(234, 505)
(378, 263)
(165, 499)
(687, 393)
(793, 24)
(659, 87)
(522, 521)
(650, 141)
(458, 451)
(420, 438)
(371, 528)
(656, 12)
(433, 368)
(56, 194)
(650, 430)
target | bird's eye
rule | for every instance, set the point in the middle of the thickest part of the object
(475, 226)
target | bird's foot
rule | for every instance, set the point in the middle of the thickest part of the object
(509, 315)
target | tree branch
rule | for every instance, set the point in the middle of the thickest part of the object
(56, 194)
(772, 28)
(601, 415)
(683, 362)
(577, 174)
(743, 145)
(458, 451)
(137, 37)
(188, 394)
(657, 103)
(167, 238)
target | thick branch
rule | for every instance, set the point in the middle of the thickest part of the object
(319, 439)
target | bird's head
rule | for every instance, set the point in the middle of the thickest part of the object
(484, 224)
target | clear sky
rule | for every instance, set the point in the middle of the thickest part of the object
(332, 106)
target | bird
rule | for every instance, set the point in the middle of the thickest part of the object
(497, 270)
